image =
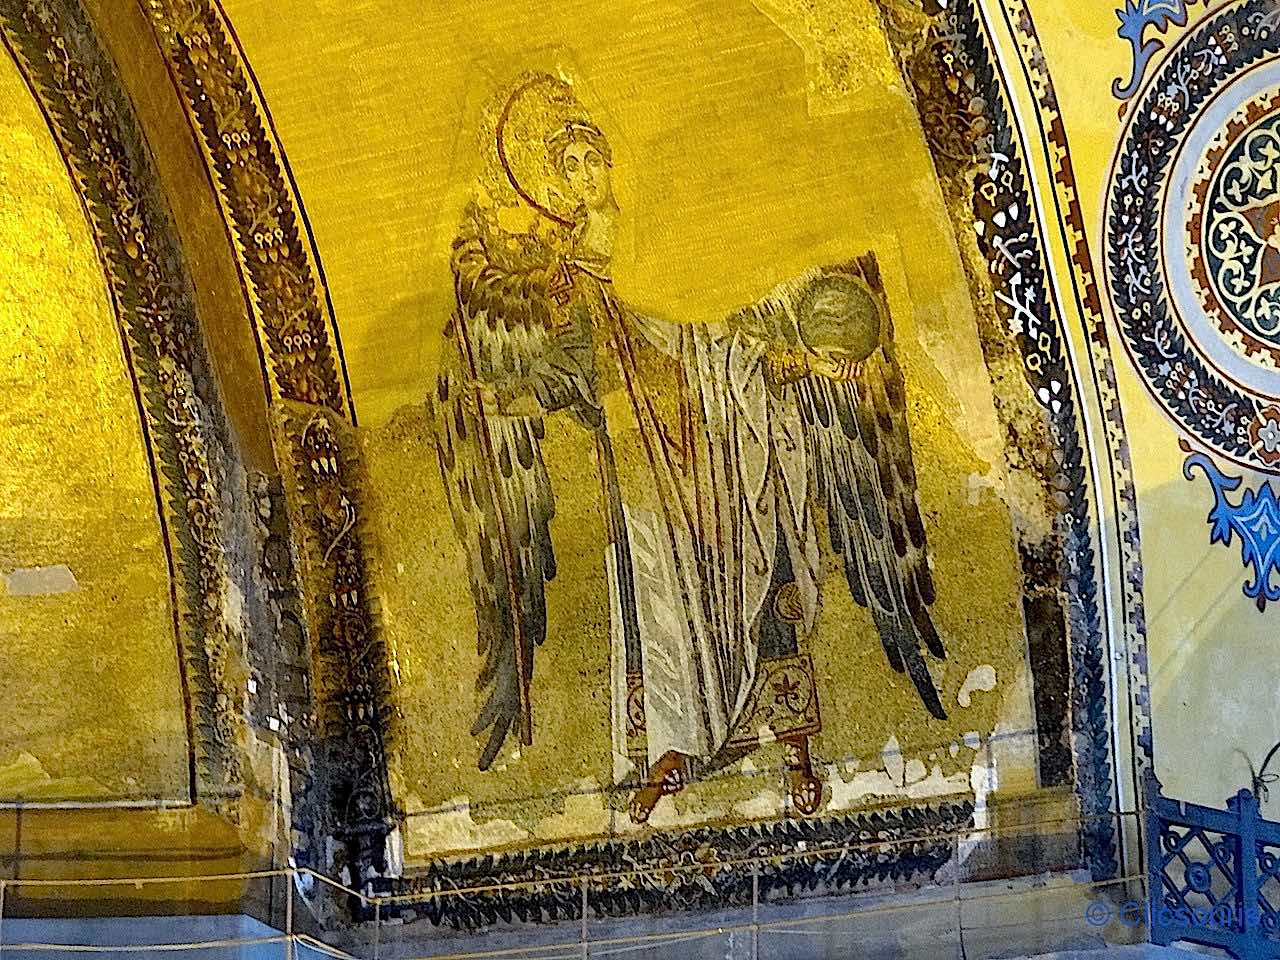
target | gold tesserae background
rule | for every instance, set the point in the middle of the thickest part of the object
(93, 706)
(750, 142)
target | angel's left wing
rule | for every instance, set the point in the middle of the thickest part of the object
(856, 433)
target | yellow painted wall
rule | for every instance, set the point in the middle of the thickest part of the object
(1212, 662)
(92, 705)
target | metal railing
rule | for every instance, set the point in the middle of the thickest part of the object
(1213, 875)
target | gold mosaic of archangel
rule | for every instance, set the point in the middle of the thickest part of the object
(732, 459)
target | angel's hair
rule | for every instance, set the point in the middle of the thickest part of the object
(577, 131)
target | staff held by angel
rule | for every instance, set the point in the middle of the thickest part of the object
(736, 440)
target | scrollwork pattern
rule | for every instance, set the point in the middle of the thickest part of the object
(93, 126)
(294, 323)
(1243, 259)
(1196, 395)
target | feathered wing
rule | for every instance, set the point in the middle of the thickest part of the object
(857, 436)
(497, 485)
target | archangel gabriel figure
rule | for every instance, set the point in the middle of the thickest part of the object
(735, 440)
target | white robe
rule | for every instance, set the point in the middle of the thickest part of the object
(703, 574)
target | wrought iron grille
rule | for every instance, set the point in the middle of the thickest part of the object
(1214, 875)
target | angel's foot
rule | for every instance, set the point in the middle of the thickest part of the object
(665, 778)
(805, 792)
(803, 786)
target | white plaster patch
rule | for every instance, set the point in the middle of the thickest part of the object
(393, 850)
(40, 581)
(767, 803)
(233, 604)
(914, 770)
(982, 677)
(976, 485)
(936, 785)
(848, 794)
(982, 782)
(454, 829)
(845, 794)
(894, 765)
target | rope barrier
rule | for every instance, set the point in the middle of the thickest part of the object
(311, 943)
(771, 927)
(604, 946)
(146, 947)
(969, 835)
(143, 881)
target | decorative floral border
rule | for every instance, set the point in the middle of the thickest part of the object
(1197, 398)
(312, 415)
(92, 123)
(1088, 304)
(707, 868)
(973, 137)
(1208, 290)
(1022, 255)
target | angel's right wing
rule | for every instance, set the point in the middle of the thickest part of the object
(496, 484)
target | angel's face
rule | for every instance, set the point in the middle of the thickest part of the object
(588, 175)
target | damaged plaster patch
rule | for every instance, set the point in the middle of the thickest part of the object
(454, 829)
(767, 803)
(233, 603)
(24, 778)
(584, 812)
(980, 678)
(894, 765)
(40, 581)
(977, 483)
(851, 793)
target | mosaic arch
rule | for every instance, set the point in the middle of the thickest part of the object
(966, 119)
(183, 426)
(81, 521)
(164, 259)
(1000, 334)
